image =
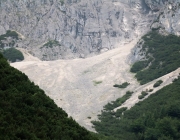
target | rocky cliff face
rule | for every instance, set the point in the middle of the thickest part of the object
(168, 18)
(166, 22)
(53, 29)
(168, 15)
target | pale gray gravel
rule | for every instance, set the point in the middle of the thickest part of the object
(82, 86)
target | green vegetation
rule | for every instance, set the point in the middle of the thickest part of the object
(158, 116)
(162, 57)
(123, 85)
(158, 83)
(9, 33)
(27, 113)
(155, 118)
(62, 2)
(86, 71)
(102, 137)
(140, 65)
(13, 55)
(51, 43)
(97, 82)
(119, 112)
(143, 94)
(150, 90)
(118, 102)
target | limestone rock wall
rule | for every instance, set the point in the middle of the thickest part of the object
(82, 28)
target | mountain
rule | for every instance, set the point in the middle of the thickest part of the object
(54, 29)
(150, 111)
(107, 34)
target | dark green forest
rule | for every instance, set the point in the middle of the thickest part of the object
(156, 118)
(162, 57)
(27, 113)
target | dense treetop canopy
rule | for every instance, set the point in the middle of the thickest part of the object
(27, 113)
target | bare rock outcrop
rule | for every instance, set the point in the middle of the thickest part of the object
(82, 28)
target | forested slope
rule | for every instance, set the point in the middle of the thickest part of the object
(27, 113)
(162, 56)
(158, 116)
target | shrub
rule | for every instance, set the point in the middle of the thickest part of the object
(143, 94)
(140, 97)
(13, 55)
(62, 2)
(123, 85)
(150, 90)
(118, 102)
(97, 82)
(51, 43)
(11, 34)
(158, 83)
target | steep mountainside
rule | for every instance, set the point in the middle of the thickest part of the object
(168, 19)
(53, 29)
(27, 113)
(156, 118)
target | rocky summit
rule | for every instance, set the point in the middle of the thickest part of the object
(67, 29)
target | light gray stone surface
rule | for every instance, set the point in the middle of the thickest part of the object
(82, 27)
(82, 86)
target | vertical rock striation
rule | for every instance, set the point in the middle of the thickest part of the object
(82, 28)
